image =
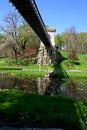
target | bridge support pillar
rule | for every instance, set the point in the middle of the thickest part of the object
(47, 55)
(43, 55)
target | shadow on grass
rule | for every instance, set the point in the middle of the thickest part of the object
(20, 109)
(75, 63)
(59, 71)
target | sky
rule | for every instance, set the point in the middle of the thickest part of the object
(61, 14)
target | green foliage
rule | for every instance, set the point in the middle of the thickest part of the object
(26, 37)
(59, 39)
(82, 43)
(75, 40)
(1, 38)
(22, 62)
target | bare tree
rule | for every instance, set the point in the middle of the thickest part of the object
(70, 36)
(12, 21)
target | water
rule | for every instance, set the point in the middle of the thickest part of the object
(75, 89)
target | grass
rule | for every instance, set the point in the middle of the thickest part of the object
(36, 70)
(31, 70)
(80, 75)
(21, 109)
(80, 64)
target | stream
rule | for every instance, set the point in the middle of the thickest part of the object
(69, 88)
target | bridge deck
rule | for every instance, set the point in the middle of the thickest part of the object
(29, 10)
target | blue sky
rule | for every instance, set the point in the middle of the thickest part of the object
(61, 14)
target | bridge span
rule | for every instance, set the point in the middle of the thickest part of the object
(28, 9)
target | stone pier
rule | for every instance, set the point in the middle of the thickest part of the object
(47, 56)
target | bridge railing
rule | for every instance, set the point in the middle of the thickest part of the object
(28, 9)
(40, 18)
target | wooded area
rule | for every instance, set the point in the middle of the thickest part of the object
(72, 42)
(18, 39)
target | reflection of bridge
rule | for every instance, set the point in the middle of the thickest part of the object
(30, 12)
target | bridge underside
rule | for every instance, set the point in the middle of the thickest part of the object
(29, 10)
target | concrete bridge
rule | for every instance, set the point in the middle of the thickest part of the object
(28, 9)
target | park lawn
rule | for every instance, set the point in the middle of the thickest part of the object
(20, 109)
(80, 64)
(31, 70)
(37, 70)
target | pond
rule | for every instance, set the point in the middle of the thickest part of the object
(75, 89)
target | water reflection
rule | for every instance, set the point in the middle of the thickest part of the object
(54, 87)
(75, 89)
(42, 84)
(28, 85)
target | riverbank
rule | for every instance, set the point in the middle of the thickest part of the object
(30, 72)
(67, 68)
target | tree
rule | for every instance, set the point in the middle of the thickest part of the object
(27, 37)
(1, 38)
(71, 40)
(59, 41)
(10, 29)
(82, 37)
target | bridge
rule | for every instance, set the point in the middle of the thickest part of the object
(28, 9)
